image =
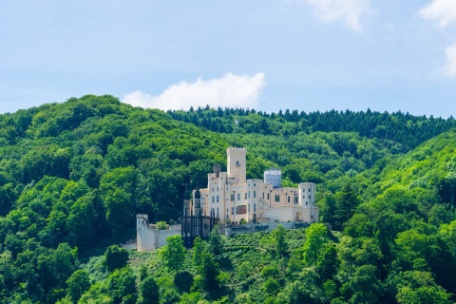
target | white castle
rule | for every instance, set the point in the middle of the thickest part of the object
(231, 198)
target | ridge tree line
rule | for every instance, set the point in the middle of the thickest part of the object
(403, 128)
(73, 175)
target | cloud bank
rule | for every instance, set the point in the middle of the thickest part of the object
(349, 12)
(227, 91)
(443, 12)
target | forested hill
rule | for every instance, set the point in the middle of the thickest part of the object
(73, 176)
(406, 129)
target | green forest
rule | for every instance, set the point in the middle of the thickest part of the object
(73, 176)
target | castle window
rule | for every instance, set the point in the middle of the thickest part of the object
(254, 207)
(310, 196)
(232, 210)
(310, 190)
(239, 197)
(277, 198)
(307, 203)
(263, 195)
(238, 164)
(254, 194)
(232, 197)
(288, 199)
(217, 198)
(268, 195)
(296, 199)
(245, 196)
(218, 214)
(254, 185)
(249, 194)
(212, 199)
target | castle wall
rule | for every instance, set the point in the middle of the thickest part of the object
(145, 235)
(149, 238)
(162, 235)
(283, 214)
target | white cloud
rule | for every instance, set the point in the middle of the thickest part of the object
(348, 11)
(441, 11)
(228, 91)
(450, 67)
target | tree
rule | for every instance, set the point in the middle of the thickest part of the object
(327, 262)
(149, 291)
(173, 254)
(347, 201)
(419, 287)
(162, 225)
(280, 240)
(209, 272)
(271, 286)
(316, 237)
(78, 283)
(183, 281)
(364, 287)
(116, 192)
(119, 210)
(122, 286)
(198, 249)
(115, 257)
(80, 223)
(295, 293)
(327, 208)
(215, 242)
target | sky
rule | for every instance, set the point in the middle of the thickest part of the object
(309, 55)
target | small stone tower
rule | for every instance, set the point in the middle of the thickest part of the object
(236, 163)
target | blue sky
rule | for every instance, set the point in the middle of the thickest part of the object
(269, 55)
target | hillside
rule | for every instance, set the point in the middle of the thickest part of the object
(73, 175)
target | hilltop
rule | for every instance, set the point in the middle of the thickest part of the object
(73, 175)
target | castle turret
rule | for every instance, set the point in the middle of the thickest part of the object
(186, 220)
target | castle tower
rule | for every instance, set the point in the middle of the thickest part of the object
(197, 203)
(236, 163)
(186, 220)
(307, 194)
(186, 209)
(197, 219)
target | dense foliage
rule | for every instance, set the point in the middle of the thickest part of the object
(406, 129)
(73, 176)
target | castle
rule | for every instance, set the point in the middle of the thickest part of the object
(231, 198)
